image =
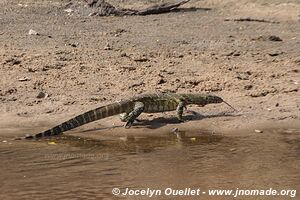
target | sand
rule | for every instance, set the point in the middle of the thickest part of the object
(74, 62)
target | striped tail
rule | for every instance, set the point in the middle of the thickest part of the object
(90, 116)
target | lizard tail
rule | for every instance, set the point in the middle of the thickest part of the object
(87, 117)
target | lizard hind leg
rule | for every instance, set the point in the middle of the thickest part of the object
(138, 109)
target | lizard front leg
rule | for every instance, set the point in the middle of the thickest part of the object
(138, 109)
(179, 110)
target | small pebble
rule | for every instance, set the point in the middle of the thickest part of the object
(4, 141)
(160, 81)
(24, 79)
(274, 38)
(73, 44)
(52, 143)
(42, 95)
(68, 10)
(33, 32)
(22, 5)
(175, 130)
(258, 131)
(107, 47)
(123, 138)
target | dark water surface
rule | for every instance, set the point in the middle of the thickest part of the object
(76, 168)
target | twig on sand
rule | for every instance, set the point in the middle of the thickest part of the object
(248, 19)
(104, 8)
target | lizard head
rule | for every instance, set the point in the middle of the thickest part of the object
(213, 99)
(202, 99)
(216, 99)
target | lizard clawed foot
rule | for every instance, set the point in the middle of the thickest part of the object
(129, 124)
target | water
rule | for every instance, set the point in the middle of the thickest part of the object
(74, 168)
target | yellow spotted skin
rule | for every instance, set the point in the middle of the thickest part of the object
(152, 103)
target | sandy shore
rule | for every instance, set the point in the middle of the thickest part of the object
(77, 63)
